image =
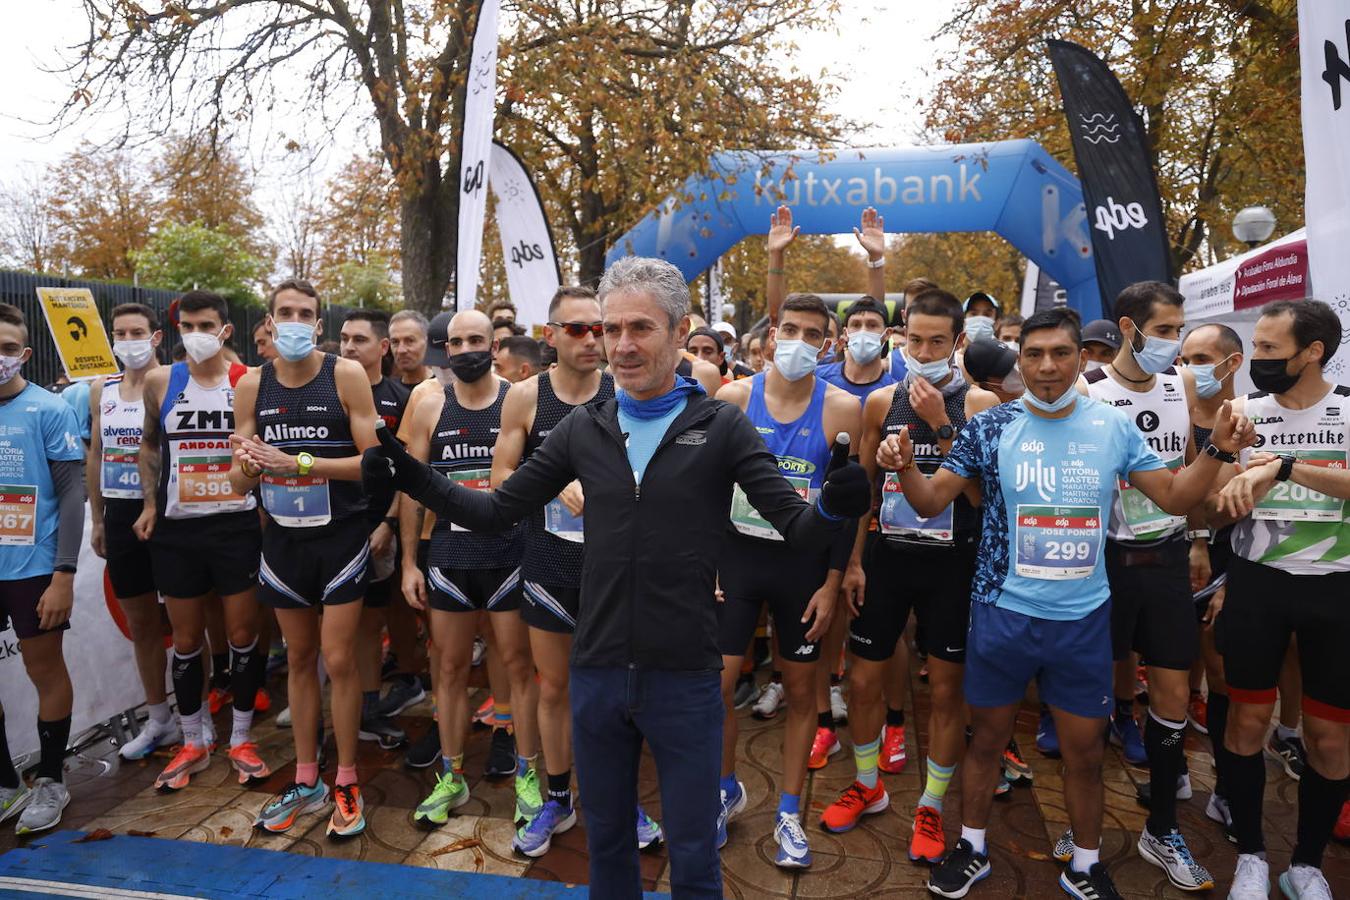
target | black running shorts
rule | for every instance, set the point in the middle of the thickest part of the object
(1152, 610)
(471, 590)
(753, 572)
(130, 568)
(18, 606)
(550, 607)
(195, 557)
(300, 571)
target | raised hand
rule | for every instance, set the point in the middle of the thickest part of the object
(873, 234)
(896, 452)
(1232, 432)
(781, 230)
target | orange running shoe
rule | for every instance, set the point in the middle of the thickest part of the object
(189, 760)
(218, 699)
(928, 842)
(892, 758)
(262, 701)
(483, 715)
(855, 802)
(247, 763)
(1342, 830)
(824, 746)
(1198, 712)
(349, 813)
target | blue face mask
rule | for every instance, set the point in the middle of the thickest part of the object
(294, 340)
(977, 327)
(864, 346)
(1158, 354)
(794, 360)
(1053, 406)
(1206, 384)
(931, 372)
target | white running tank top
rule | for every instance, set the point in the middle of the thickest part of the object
(196, 423)
(120, 425)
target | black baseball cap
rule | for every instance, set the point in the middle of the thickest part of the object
(438, 335)
(986, 359)
(1102, 331)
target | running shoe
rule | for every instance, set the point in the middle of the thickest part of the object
(1301, 883)
(49, 798)
(382, 731)
(731, 806)
(209, 733)
(284, 718)
(294, 801)
(479, 651)
(1094, 884)
(892, 758)
(262, 701)
(649, 832)
(484, 713)
(501, 759)
(1003, 790)
(822, 748)
(529, 800)
(793, 852)
(1171, 854)
(771, 700)
(1143, 794)
(535, 837)
(13, 800)
(957, 874)
(1251, 878)
(1141, 684)
(1125, 734)
(450, 792)
(1197, 712)
(218, 699)
(425, 751)
(1063, 850)
(405, 693)
(838, 705)
(1217, 810)
(349, 812)
(855, 802)
(153, 736)
(1289, 753)
(746, 692)
(1047, 738)
(928, 842)
(1015, 768)
(276, 658)
(248, 764)
(188, 761)
(1341, 832)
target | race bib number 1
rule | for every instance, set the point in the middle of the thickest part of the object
(18, 514)
(1292, 502)
(1058, 542)
(474, 480)
(119, 475)
(747, 519)
(559, 521)
(898, 518)
(297, 501)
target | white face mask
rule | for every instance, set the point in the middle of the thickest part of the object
(864, 346)
(201, 346)
(9, 367)
(135, 354)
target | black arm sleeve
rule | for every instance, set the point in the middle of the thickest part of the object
(539, 480)
(841, 548)
(756, 471)
(68, 479)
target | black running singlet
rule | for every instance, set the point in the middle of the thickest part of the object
(462, 445)
(553, 548)
(896, 519)
(308, 418)
(391, 401)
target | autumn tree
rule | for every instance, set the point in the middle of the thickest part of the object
(358, 217)
(26, 226)
(206, 181)
(182, 257)
(816, 263)
(960, 262)
(1216, 83)
(103, 205)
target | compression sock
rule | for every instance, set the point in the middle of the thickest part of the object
(52, 739)
(346, 775)
(220, 671)
(825, 720)
(865, 760)
(790, 804)
(1246, 786)
(248, 667)
(1218, 723)
(1165, 743)
(895, 717)
(935, 787)
(9, 778)
(307, 774)
(1319, 803)
(560, 789)
(188, 679)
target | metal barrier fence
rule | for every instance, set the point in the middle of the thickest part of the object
(20, 289)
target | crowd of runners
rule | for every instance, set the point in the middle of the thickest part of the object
(623, 520)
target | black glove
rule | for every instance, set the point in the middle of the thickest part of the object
(389, 465)
(847, 493)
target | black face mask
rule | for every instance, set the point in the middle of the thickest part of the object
(1272, 375)
(471, 365)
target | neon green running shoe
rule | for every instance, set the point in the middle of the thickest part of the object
(529, 800)
(450, 792)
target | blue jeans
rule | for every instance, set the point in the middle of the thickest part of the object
(679, 714)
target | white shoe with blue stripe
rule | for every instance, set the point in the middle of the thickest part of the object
(793, 852)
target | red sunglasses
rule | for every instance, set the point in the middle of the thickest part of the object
(579, 329)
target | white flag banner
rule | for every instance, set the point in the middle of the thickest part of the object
(1324, 42)
(532, 273)
(480, 107)
(717, 310)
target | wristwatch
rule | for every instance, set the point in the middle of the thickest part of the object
(945, 432)
(1286, 466)
(1220, 455)
(876, 263)
(304, 461)
(1198, 534)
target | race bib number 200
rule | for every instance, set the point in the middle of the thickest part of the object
(18, 514)
(1292, 502)
(1058, 542)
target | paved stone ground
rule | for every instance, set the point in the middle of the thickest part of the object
(868, 861)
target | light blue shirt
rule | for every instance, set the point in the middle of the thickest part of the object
(643, 435)
(36, 427)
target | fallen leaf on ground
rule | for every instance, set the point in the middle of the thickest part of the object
(134, 833)
(98, 834)
(465, 844)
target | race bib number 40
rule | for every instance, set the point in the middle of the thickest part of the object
(1058, 542)
(898, 518)
(18, 514)
(1292, 502)
(747, 519)
(119, 475)
(205, 479)
(297, 501)
(472, 479)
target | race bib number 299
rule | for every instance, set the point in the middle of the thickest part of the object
(1058, 542)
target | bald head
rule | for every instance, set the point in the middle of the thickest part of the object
(470, 330)
(1224, 338)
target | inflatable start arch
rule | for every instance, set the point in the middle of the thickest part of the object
(1013, 188)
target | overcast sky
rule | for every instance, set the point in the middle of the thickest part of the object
(879, 55)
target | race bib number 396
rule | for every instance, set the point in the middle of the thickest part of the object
(1292, 502)
(18, 514)
(205, 479)
(1058, 542)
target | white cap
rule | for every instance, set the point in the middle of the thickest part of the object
(726, 328)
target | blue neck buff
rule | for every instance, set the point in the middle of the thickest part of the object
(660, 406)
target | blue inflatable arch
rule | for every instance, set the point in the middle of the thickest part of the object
(1013, 188)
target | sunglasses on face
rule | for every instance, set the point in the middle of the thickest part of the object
(579, 329)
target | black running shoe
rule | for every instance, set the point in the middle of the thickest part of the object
(957, 874)
(501, 759)
(382, 731)
(1094, 884)
(404, 693)
(425, 750)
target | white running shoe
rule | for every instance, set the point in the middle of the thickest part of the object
(284, 718)
(13, 800)
(153, 736)
(771, 700)
(1184, 786)
(1251, 880)
(838, 706)
(1171, 854)
(1305, 883)
(44, 809)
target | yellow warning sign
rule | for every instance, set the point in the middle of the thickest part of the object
(73, 319)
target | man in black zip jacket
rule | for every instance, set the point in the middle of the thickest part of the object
(657, 466)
